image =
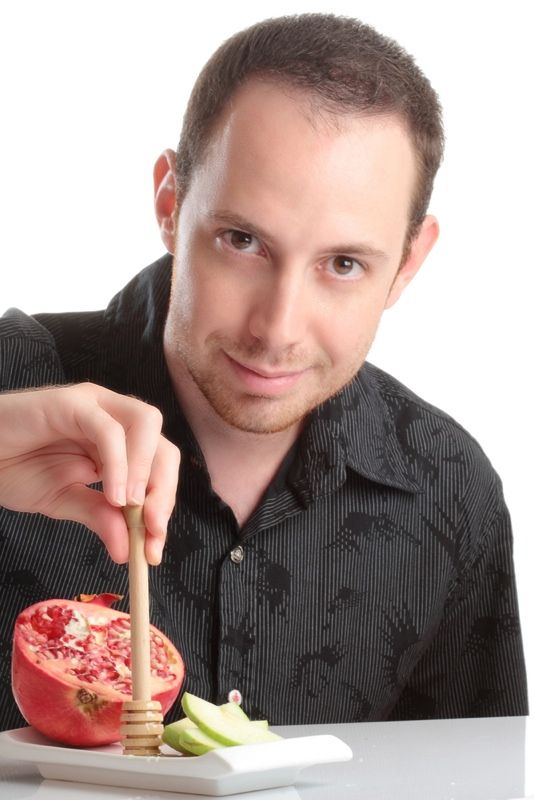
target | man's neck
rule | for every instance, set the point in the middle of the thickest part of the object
(241, 465)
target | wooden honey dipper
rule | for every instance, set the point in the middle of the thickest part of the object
(142, 720)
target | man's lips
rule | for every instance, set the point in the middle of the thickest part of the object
(265, 373)
(262, 380)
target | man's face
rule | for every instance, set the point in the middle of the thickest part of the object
(287, 250)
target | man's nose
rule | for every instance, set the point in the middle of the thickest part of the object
(278, 316)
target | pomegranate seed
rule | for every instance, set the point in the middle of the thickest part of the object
(95, 650)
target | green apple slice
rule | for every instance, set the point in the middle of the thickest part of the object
(223, 726)
(237, 711)
(198, 742)
(172, 735)
(234, 709)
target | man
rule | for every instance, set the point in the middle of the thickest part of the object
(339, 550)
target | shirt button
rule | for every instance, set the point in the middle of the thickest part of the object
(237, 554)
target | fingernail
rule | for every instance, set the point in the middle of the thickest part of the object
(119, 497)
(137, 497)
(156, 553)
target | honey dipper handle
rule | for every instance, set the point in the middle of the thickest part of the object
(139, 604)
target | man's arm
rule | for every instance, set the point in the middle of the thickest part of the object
(475, 665)
(54, 442)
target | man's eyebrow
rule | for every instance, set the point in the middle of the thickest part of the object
(358, 249)
(234, 220)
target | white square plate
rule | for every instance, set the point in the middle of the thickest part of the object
(229, 770)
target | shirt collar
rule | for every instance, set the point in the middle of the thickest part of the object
(361, 421)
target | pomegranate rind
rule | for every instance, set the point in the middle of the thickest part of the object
(105, 599)
(66, 709)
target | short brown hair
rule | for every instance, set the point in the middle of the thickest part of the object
(343, 63)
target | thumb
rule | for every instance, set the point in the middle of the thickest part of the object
(90, 507)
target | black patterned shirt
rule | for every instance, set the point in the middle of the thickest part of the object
(374, 581)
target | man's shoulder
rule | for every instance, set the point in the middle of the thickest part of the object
(396, 395)
(28, 355)
(101, 346)
(15, 326)
(431, 441)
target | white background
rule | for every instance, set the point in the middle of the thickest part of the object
(92, 92)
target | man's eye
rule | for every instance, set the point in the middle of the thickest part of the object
(345, 267)
(240, 240)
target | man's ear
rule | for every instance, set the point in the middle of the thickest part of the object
(165, 197)
(419, 249)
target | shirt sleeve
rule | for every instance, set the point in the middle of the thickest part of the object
(28, 357)
(474, 666)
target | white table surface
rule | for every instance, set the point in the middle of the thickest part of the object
(466, 759)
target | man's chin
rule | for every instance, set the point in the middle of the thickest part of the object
(259, 415)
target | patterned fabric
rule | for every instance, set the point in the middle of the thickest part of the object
(374, 581)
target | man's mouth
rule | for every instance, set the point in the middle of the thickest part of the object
(264, 380)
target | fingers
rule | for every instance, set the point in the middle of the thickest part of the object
(108, 436)
(127, 435)
(125, 432)
(91, 508)
(120, 437)
(160, 498)
(143, 441)
(138, 465)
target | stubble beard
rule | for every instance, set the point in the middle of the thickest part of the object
(258, 414)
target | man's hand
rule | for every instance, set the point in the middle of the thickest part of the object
(53, 442)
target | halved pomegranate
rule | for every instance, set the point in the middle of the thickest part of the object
(71, 669)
